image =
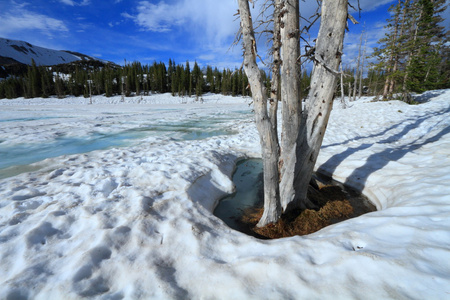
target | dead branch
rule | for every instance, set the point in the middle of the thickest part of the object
(322, 63)
(352, 19)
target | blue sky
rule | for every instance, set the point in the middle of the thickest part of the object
(147, 31)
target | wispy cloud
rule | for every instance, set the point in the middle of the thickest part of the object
(203, 19)
(369, 5)
(21, 19)
(159, 17)
(75, 3)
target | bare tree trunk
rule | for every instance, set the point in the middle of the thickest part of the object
(357, 67)
(392, 81)
(265, 126)
(302, 134)
(344, 105)
(361, 73)
(386, 86)
(275, 81)
(290, 97)
(320, 97)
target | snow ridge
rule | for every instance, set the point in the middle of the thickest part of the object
(24, 52)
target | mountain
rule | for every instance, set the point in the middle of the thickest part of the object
(20, 52)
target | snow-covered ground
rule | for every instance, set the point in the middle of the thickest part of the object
(135, 221)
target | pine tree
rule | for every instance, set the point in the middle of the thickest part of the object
(46, 83)
(412, 53)
(424, 64)
(173, 81)
(34, 87)
(197, 80)
(188, 83)
(210, 79)
(225, 82)
(108, 82)
(218, 80)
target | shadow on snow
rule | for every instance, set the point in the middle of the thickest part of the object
(378, 161)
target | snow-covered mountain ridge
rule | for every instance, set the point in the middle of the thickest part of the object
(13, 51)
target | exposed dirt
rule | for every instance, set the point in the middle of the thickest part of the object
(335, 203)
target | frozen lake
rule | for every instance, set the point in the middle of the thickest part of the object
(48, 132)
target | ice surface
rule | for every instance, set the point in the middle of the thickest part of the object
(136, 222)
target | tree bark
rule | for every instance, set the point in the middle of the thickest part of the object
(275, 81)
(267, 130)
(361, 73)
(290, 97)
(344, 105)
(320, 97)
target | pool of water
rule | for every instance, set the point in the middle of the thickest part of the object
(24, 154)
(15, 157)
(248, 179)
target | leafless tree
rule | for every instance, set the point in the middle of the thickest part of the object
(288, 168)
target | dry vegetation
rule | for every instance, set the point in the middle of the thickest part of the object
(333, 205)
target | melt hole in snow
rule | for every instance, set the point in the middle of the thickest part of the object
(243, 209)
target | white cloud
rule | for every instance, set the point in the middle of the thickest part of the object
(68, 2)
(74, 3)
(22, 19)
(159, 17)
(204, 19)
(207, 57)
(369, 5)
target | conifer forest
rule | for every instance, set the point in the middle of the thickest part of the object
(84, 78)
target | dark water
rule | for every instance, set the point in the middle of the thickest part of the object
(249, 184)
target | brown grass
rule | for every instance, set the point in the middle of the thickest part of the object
(333, 208)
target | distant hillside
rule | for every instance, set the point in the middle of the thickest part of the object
(13, 52)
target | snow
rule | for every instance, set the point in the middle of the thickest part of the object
(23, 52)
(135, 221)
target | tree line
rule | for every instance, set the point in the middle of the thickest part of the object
(84, 78)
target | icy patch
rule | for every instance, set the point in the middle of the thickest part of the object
(51, 131)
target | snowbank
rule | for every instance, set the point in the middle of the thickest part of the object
(136, 222)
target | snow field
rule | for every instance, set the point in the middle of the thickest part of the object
(136, 222)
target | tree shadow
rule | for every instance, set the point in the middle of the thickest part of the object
(377, 161)
(425, 97)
